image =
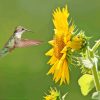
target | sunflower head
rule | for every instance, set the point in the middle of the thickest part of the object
(60, 46)
(64, 42)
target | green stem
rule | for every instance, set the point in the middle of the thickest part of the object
(94, 69)
(96, 78)
(96, 46)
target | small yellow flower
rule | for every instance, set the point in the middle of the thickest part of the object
(53, 94)
(78, 41)
(60, 44)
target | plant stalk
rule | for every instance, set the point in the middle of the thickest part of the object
(97, 44)
(96, 78)
(94, 69)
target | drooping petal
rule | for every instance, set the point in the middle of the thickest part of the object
(52, 60)
(66, 71)
(51, 42)
(52, 69)
(64, 49)
(50, 52)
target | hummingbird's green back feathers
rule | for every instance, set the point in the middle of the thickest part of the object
(3, 52)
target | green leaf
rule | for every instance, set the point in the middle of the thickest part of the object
(86, 83)
(96, 95)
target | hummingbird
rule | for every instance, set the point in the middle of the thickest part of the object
(16, 41)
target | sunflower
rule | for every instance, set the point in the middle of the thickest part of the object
(64, 42)
(60, 46)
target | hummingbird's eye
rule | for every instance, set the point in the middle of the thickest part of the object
(22, 28)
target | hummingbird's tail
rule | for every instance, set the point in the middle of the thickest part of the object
(3, 52)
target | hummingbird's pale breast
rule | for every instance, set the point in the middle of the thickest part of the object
(18, 34)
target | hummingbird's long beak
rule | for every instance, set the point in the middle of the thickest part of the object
(29, 30)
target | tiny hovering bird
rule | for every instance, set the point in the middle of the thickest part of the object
(16, 41)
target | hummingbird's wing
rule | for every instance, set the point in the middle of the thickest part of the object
(26, 43)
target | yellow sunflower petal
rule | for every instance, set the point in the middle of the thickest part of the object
(67, 39)
(57, 77)
(61, 61)
(64, 50)
(52, 69)
(50, 52)
(51, 42)
(66, 71)
(52, 60)
(58, 15)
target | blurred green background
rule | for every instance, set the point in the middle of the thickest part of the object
(23, 72)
